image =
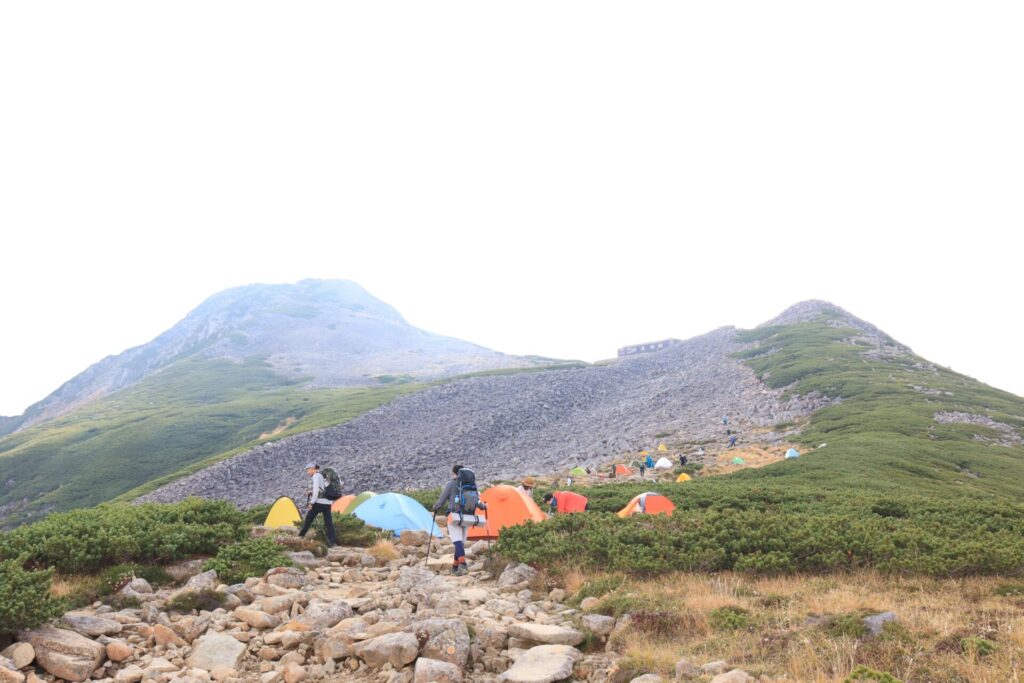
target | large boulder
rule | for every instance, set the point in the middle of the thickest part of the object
(340, 641)
(9, 673)
(130, 674)
(598, 623)
(89, 624)
(205, 581)
(542, 664)
(304, 558)
(64, 653)
(256, 618)
(396, 649)
(287, 577)
(546, 634)
(444, 639)
(216, 649)
(276, 603)
(21, 654)
(413, 537)
(435, 671)
(517, 575)
(119, 650)
(321, 615)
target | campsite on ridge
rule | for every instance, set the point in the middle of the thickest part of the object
(796, 476)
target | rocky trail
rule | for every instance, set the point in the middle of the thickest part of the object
(345, 617)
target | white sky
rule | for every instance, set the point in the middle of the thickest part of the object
(558, 178)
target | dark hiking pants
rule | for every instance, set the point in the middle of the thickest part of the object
(314, 510)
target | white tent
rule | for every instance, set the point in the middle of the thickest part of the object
(663, 464)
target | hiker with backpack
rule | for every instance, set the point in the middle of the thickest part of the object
(463, 500)
(325, 490)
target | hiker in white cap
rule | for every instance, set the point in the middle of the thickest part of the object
(317, 504)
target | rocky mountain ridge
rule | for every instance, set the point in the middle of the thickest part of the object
(324, 333)
(508, 426)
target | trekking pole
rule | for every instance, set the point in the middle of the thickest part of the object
(430, 539)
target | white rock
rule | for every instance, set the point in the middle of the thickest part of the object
(546, 633)
(715, 667)
(435, 671)
(129, 674)
(396, 649)
(734, 676)
(216, 649)
(598, 623)
(542, 664)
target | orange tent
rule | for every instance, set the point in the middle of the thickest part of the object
(570, 502)
(653, 504)
(622, 471)
(342, 503)
(506, 506)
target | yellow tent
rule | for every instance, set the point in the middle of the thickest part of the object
(282, 513)
(663, 448)
(644, 453)
(683, 477)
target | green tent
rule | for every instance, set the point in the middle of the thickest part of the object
(577, 472)
(357, 501)
(738, 461)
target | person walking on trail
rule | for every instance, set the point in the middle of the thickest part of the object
(317, 503)
(732, 440)
(643, 468)
(682, 460)
(725, 419)
(462, 499)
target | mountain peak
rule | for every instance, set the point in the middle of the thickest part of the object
(813, 309)
(322, 333)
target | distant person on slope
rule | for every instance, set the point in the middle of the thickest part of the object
(317, 503)
(461, 496)
(732, 440)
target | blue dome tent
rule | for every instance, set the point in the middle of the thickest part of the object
(792, 453)
(395, 512)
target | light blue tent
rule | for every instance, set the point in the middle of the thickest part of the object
(792, 453)
(395, 512)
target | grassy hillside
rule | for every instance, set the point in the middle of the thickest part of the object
(194, 411)
(893, 488)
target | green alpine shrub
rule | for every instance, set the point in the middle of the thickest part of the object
(25, 598)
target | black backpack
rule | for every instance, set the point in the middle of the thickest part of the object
(333, 489)
(467, 500)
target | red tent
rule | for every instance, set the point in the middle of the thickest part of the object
(622, 471)
(570, 502)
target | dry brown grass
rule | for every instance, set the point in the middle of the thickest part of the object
(787, 636)
(384, 551)
(65, 586)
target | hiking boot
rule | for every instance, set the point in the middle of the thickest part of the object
(455, 570)
(461, 570)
